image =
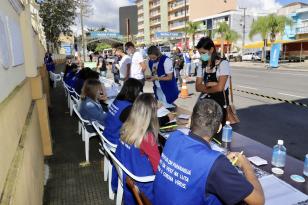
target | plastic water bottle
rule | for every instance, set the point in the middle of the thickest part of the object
(227, 135)
(279, 154)
(306, 166)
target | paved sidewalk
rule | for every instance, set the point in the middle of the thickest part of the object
(70, 184)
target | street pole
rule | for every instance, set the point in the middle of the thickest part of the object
(185, 13)
(244, 28)
(82, 31)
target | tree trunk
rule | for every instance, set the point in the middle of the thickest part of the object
(222, 48)
(193, 40)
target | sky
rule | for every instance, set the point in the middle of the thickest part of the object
(106, 12)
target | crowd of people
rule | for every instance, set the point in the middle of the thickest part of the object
(187, 170)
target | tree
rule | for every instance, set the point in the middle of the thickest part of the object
(101, 46)
(192, 29)
(277, 24)
(266, 26)
(58, 17)
(92, 46)
(231, 36)
(222, 30)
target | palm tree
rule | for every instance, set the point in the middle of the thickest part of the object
(277, 25)
(222, 30)
(231, 36)
(260, 26)
(192, 29)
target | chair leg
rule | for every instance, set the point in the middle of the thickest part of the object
(87, 139)
(106, 164)
(83, 131)
(71, 107)
(54, 83)
(79, 128)
(119, 193)
(111, 193)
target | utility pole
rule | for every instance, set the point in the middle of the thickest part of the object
(244, 28)
(82, 32)
(185, 13)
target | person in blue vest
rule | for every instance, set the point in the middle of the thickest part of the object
(90, 107)
(190, 172)
(120, 108)
(138, 147)
(165, 86)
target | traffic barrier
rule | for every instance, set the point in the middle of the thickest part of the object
(273, 98)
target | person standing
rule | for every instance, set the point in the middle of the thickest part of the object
(213, 81)
(178, 64)
(187, 64)
(101, 65)
(195, 61)
(138, 65)
(165, 86)
(115, 69)
(199, 174)
(125, 62)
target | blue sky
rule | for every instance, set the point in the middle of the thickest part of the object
(284, 2)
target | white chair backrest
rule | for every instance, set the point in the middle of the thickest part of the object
(99, 129)
(83, 121)
(75, 100)
(54, 76)
(119, 166)
(76, 94)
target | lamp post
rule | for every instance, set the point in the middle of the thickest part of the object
(185, 14)
(244, 28)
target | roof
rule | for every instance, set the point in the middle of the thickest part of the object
(294, 3)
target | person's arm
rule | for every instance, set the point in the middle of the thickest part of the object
(219, 87)
(94, 113)
(163, 78)
(149, 147)
(127, 71)
(257, 195)
(143, 66)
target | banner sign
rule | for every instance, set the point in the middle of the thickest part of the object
(168, 34)
(274, 57)
(102, 34)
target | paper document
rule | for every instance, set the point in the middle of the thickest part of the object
(258, 161)
(162, 112)
(277, 191)
(184, 116)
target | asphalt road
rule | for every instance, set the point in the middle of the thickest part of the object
(267, 120)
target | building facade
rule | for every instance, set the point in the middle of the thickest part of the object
(298, 12)
(128, 20)
(160, 16)
(24, 123)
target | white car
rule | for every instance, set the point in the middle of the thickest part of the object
(251, 57)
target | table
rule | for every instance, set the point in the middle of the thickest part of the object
(253, 148)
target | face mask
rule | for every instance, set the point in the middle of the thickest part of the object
(205, 57)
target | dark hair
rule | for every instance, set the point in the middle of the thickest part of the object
(89, 89)
(207, 43)
(129, 44)
(206, 118)
(130, 90)
(154, 50)
(117, 45)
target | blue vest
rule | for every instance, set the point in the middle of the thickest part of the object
(169, 88)
(113, 123)
(182, 172)
(139, 165)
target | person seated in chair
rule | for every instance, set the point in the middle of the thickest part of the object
(120, 108)
(138, 147)
(190, 172)
(90, 107)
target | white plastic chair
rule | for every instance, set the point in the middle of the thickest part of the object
(86, 135)
(55, 78)
(107, 164)
(120, 168)
(77, 102)
(68, 92)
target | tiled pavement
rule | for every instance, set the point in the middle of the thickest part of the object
(70, 184)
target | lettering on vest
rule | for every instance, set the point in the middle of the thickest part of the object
(174, 172)
(113, 109)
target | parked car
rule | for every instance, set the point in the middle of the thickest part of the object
(234, 56)
(251, 57)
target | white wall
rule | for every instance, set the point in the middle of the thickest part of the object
(11, 77)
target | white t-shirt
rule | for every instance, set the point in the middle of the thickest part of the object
(222, 69)
(123, 65)
(196, 57)
(135, 69)
(168, 67)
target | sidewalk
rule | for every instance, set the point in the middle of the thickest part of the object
(294, 66)
(70, 184)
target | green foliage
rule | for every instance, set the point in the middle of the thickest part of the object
(101, 46)
(226, 33)
(192, 29)
(58, 17)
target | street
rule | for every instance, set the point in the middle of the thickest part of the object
(267, 120)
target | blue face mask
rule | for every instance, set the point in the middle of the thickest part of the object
(205, 57)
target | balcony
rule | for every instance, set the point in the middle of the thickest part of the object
(140, 11)
(177, 6)
(154, 15)
(182, 16)
(155, 6)
(302, 30)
